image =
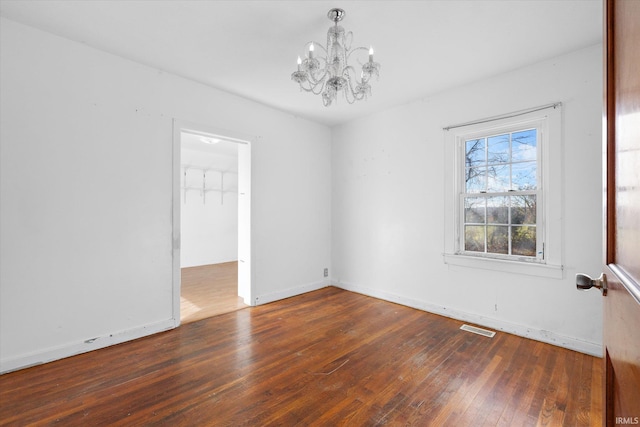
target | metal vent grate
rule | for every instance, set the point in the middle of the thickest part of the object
(479, 331)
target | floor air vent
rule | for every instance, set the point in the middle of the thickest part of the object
(479, 331)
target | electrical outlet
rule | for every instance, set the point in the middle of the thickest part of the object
(326, 272)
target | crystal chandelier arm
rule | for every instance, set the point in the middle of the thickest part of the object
(314, 87)
(355, 49)
(317, 83)
(307, 80)
(369, 67)
(317, 88)
(350, 94)
(315, 45)
(315, 77)
(313, 63)
(349, 73)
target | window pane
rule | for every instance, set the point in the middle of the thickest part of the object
(474, 238)
(523, 145)
(523, 240)
(498, 178)
(474, 210)
(498, 239)
(523, 209)
(498, 210)
(476, 179)
(474, 152)
(498, 149)
(524, 176)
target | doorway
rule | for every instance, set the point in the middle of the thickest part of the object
(211, 224)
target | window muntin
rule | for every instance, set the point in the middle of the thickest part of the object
(499, 197)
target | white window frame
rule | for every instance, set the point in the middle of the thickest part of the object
(548, 123)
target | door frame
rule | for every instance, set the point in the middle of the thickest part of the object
(245, 270)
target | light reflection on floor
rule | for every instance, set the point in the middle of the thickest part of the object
(188, 309)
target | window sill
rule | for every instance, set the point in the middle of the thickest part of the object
(517, 267)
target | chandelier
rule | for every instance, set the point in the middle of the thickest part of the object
(329, 72)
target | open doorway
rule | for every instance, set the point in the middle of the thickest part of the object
(212, 222)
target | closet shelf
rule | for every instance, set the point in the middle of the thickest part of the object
(210, 189)
(205, 170)
(204, 189)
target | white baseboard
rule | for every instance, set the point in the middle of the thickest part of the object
(571, 343)
(59, 352)
(291, 292)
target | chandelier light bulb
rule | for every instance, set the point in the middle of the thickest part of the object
(337, 66)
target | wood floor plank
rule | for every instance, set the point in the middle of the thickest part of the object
(325, 358)
(209, 290)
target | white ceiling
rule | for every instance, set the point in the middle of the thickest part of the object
(194, 142)
(194, 153)
(249, 48)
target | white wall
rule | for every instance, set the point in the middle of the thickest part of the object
(209, 224)
(388, 214)
(86, 195)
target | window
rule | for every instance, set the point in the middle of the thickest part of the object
(500, 193)
(503, 208)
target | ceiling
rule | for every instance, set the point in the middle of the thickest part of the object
(220, 156)
(249, 48)
(196, 142)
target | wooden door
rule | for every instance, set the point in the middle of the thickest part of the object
(622, 212)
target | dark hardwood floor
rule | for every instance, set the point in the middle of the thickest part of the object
(325, 358)
(209, 290)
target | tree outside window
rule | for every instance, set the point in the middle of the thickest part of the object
(500, 194)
